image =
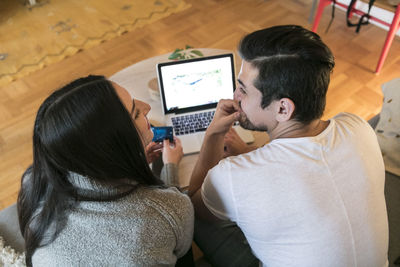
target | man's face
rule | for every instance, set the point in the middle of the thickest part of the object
(252, 116)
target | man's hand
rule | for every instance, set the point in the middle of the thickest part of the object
(212, 150)
(153, 151)
(172, 153)
(225, 115)
(234, 145)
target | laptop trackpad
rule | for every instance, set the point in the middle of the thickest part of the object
(191, 143)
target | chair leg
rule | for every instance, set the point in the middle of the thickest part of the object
(389, 39)
(322, 4)
(313, 7)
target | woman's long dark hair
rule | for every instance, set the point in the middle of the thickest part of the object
(82, 128)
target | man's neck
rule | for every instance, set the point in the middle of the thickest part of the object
(294, 129)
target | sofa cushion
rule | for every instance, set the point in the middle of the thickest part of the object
(392, 189)
(9, 257)
(9, 228)
(388, 128)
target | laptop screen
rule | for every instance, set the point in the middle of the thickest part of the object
(196, 84)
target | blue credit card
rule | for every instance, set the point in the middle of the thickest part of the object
(162, 133)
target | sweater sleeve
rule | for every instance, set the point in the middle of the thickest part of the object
(184, 217)
(178, 213)
(169, 175)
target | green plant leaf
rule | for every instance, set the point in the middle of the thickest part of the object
(197, 52)
(174, 56)
(188, 47)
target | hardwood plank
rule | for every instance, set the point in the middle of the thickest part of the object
(209, 23)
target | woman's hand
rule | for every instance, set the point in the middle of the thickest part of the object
(172, 152)
(153, 151)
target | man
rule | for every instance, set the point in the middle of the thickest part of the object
(313, 196)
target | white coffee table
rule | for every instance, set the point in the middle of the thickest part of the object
(136, 78)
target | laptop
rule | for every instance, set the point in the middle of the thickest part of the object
(190, 91)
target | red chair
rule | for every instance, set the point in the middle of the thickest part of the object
(393, 27)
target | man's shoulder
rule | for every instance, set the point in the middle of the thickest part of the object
(349, 118)
(353, 123)
(241, 160)
(243, 163)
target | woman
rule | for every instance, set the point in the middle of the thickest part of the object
(90, 198)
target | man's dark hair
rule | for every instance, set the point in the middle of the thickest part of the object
(294, 63)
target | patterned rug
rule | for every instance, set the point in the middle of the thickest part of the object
(33, 37)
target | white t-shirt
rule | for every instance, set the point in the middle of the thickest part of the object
(310, 201)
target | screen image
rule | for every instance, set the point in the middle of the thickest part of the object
(197, 83)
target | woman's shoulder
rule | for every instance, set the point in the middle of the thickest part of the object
(168, 198)
(169, 203)
(173, 208)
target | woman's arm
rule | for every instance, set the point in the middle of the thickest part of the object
(169, 174)
(172, 155)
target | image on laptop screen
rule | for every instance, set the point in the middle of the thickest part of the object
(196, 82)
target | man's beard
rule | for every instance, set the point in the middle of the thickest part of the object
(247, 124)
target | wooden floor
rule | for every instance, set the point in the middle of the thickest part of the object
(208, 23)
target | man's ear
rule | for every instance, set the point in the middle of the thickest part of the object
(285, 110)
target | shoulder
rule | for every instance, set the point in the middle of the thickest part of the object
(163, 195)
(234, 169)
(352, 124)
(230, 172)
(247, 161)
(173, 208)
(167, 201)
(349, 119)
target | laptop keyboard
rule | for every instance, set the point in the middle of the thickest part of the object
(192, 123)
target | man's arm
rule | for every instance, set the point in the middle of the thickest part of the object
(212, 151)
